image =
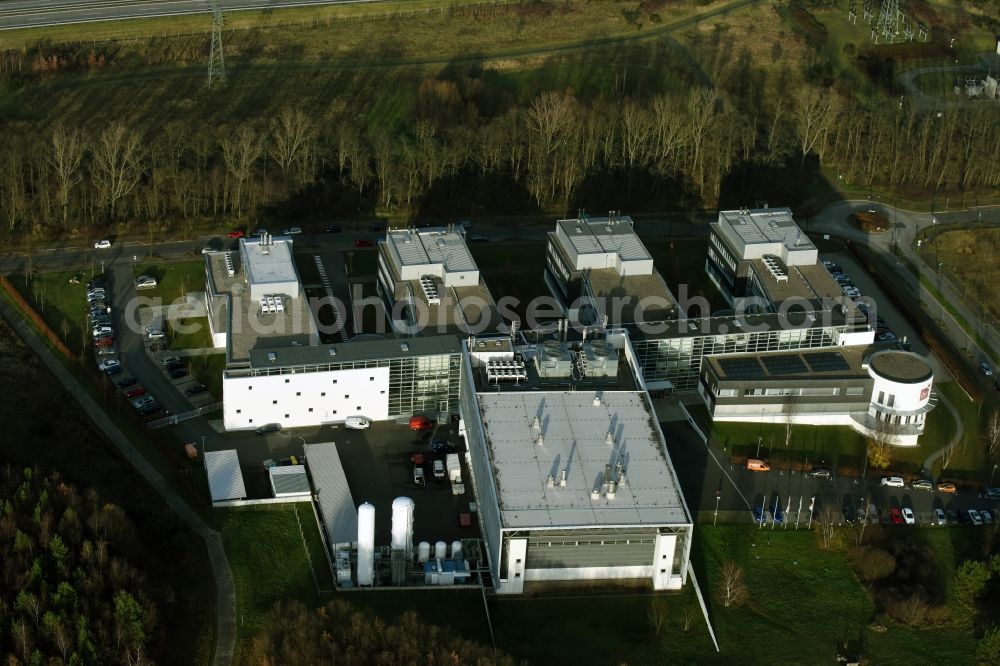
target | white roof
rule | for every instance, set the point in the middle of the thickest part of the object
(765, 226)
(271, 263)
(225, 480)
(604, 236)
(575, 439)
(336, 504)
(289, 481)
(418, 247)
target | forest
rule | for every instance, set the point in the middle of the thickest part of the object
(729, 127)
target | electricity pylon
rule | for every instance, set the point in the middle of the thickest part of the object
(887, 25)
(216, 62)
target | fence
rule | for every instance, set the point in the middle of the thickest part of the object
(177, 418)
(257, 502)
(36, 318)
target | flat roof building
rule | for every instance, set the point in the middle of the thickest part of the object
(572, 485)
(225, 479)
(598, 267)
(337, 509)
(430, 283)
(255, 299)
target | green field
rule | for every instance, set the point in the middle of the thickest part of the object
(174, 279)
(191, 333)
(62, 305)
(208, 371)
(269, 561)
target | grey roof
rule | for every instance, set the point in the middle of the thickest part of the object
(601, 235)
(366, 350)
(575, 434)
(289, 480)
(770, 225)
(431, 246)
(269, 263)
(225, 480)
(336, 504)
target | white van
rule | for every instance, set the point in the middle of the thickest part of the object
(357, 423)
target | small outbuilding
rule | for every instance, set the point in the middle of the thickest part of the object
(225, 480)
(289, 481)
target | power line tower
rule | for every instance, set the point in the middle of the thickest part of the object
(216, 62)
(887, 25)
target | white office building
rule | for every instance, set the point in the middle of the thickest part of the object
(571, 485)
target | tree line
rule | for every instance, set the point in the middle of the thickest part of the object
(68, 595)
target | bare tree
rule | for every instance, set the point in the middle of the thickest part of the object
(66, 159)
(993, 432)
(117, 164)
(828, 519)
(815, 111)
(293, 136)
(947, 453)
(732, 589)
(241, 150)
(881, 444)
(657, 614)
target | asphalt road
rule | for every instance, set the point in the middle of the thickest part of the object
(39, 13)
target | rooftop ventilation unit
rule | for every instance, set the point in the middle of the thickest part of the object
(430, 290)
(774, 267)
(404, 347)
(272, 357)
(230, 269)
(332, 352)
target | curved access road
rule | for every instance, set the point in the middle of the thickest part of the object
(42, 13)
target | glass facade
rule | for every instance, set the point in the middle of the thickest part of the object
(678, 360)
(424, 384)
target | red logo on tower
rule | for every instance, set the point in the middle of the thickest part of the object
(924, 392)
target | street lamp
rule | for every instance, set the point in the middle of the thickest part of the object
(940, 267)
(718, 494)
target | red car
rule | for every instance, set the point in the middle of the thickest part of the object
(104, 342)
(896, 516)
(235, 233)
(364, 242)
(420, 423)
(135, 392)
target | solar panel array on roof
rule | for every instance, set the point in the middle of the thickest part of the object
(741, 368)
(827, 362)
(784, 364)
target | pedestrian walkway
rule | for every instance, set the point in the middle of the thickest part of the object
(225, 602)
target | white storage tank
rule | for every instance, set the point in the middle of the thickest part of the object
(366, 543)
(456, 550)
(440, 550)
(402, 525)
(423, 551)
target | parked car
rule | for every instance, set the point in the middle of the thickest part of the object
(418, 475)
(821, 473)
(145, 282)
(892, 482)
(357, 423)
(438, 469)
(195, 390)
(125, 382)
(477, 238)
(168, 359)
(922, 484)
(849, 513)
(895, 516)
(292, 231)
(758, 514)
(992, 493)
(940, 518)
(174, 365)
(155, 334)
(953, 517)
(908, 516)
(420, 423)
(986, 516)
(103, 244)
(235, 233)
(947, 487)
(270, 427)
(106, 365)
(757, 465)
(104, 341)
(364, 242)
(975, 517)
(333, 229)
(986, 369)
(150, 409)
(441, 446)
(144, 400)
(179, 373)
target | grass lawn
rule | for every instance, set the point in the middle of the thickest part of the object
(362, 263)
(971, 454)
(174, 279)
(268, 561)
(62, 305)
(208, 371)
(195, 333)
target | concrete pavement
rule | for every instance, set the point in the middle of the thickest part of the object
(225, 596)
